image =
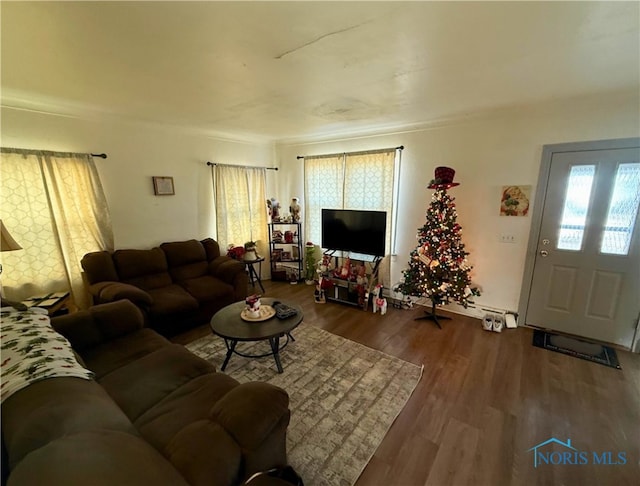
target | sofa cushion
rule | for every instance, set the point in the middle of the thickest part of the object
(190, 270)
(207, 288)
(54, 408)
(87, 329)
(113, 291)
(183, 252)
(205, 453)
(180, 426)
(189, 403)
(135, 397)
(186, 259)
(116, 353)
(241, 402)
(97, 457)
(147, 269)
(98, 267)
(212, 248)
(170, 299)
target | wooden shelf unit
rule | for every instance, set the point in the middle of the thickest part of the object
(281, 269)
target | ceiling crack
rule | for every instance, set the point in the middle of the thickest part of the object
(317, 39)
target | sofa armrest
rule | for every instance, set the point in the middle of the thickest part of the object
(251, 411)
(232, 272)
(112, 291)
(95, 289)
(225, 268)
(86, 329)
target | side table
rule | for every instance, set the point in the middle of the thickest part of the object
(54, 303)
(253, 275)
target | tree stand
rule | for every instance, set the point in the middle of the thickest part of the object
(432, 316)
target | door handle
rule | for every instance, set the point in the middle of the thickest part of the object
(544, 253)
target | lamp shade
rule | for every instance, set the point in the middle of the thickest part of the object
(7, 243)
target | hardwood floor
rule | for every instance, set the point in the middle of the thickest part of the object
(485, 399)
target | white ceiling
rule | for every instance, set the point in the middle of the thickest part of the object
(303, 70)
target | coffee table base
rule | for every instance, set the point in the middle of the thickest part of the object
(274, 342)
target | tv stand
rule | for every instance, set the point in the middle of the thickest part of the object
(351, 290)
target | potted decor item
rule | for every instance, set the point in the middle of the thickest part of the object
(309, 262)
(250, 253)
(235, 252)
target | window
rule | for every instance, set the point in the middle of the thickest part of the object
(621, 214)
(358, 180)
(623, 209)
(55, 208)
(241, 206)
(576, 205)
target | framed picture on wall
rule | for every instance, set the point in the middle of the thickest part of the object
(163, 186)
(515, 200)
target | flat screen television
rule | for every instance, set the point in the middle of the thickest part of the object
(355, 231)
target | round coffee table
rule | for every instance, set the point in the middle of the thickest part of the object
(228, 324)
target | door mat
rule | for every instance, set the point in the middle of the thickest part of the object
(598, 353)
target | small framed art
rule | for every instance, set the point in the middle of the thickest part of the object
(515, 200)
(163, 186)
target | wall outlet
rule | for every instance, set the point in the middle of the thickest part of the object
(507, 238)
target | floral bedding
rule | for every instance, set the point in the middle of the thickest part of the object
(31, 350)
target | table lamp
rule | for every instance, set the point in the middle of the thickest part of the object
(7, 243)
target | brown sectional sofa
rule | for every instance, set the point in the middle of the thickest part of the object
(155, 413)
(178, 285)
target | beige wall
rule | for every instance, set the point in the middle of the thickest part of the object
(487, 152)
(136, 153)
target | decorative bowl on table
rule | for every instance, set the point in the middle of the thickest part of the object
(264, 312)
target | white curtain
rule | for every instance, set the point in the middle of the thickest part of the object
(323, 188)
(361, 180)
(241, 206)
(54, 206)
(368, 184)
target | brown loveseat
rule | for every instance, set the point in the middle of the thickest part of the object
(178, 285)
(154, 414)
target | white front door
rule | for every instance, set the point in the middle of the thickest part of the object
(586, 270)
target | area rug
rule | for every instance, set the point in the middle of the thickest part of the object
(595, 352)
(344, 397)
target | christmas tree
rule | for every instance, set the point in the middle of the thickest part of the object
(438, 267)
